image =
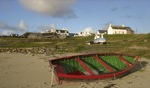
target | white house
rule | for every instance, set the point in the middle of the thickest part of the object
(85, 33)
(113, 29)
(62, 32)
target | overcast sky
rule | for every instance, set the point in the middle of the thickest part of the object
(20, 16)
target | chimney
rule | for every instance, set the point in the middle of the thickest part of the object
(110, 25)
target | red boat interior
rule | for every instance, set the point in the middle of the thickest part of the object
(94, 64)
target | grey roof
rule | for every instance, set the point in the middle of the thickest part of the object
(62, 31)
(121, 27)
(102, 31)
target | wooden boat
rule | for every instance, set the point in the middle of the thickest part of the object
(93, 66)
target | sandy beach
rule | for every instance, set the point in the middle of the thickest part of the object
(32, 71)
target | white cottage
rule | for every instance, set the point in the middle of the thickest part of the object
(85, 33)
(113, 29)
(62, 32)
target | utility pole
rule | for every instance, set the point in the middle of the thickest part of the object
(136, 30)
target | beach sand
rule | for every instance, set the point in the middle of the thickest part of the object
(32, 71)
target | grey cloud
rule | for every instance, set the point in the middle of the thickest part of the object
(53, 8)
(114, 9)
(127, 16)
(126, 7)
(120, 8)
(22, 26)
(6, 29)
(132, 17)
(89, 29)
(4, 26)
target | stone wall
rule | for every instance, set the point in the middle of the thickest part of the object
(36, 50)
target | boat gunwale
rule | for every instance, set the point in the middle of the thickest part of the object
(100, 76)
(68, 57)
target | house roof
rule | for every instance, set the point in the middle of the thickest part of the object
(35, 34)
(120, 27)
(102, 31)
(46, 34)
(62, 31)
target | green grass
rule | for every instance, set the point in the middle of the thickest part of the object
(117, 43)
(93, 64)
(71, 65)
(129, 59)
(114, 62)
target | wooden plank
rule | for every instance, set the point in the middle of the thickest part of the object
(103, 63)
(125, 61)
(54, 75)
(85, 66)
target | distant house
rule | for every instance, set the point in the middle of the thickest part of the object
(39, 35)
(49, 35)
(85, 33)
(72, 34)
(25, 35)
(113, 29)
(14, 35)
(34, 35)
(102, 31)
(57, 34)
(61, 33)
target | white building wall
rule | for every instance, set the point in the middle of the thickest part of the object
(110, 30)
(83, 34)
(117, 31)
(59, 32)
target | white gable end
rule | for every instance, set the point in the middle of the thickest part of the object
(110, 30)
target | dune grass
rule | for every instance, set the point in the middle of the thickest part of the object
(135, 44)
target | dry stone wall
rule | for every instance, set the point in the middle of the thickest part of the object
(35, 50)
